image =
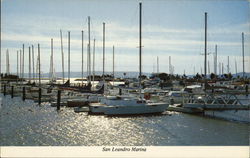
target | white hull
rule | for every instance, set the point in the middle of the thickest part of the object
(97, 108)
(135, 109)
(81, 109)
(113, 105)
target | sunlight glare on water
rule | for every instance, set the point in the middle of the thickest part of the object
(27, 124)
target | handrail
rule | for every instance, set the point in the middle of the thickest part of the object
(211, 98)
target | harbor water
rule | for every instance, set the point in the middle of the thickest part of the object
(24, 123)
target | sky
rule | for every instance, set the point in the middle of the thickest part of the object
(169, 28)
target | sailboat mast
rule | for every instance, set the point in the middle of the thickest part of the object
(23, 63)
(153, 67)
(140, 4)
(89, 53)
(20, 72)
(103, 52)
(17, 59)
(7, 62)
(205, 62)
(235, 67)
(157, 64)
(208, 67)
(170, 66)
(0, 43)
(62, 56)
(33, 64)
(29, 65)
(219, 68)
(113, 65)
(94, 62)
(215, 60)
(39, 65)
(69, 56)
(88, 62)
(243, 64)
(82, 54)
(222, 69)
(228, 70)
(52, 65)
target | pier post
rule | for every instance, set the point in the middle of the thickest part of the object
(39, 96)
(58, 100)
(246, 90)
(12, 91)
(24, 94)
(120, 91)
(4, 90)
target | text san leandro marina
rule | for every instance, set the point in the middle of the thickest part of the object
(124, 149)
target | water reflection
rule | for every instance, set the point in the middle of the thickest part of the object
(26, 123)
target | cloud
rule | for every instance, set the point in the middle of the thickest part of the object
(181, 44)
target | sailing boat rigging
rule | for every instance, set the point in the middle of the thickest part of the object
(126, 105)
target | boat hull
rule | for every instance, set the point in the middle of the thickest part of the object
(97, 109)
(135, 110)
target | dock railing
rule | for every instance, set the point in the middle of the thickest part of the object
(226, 98)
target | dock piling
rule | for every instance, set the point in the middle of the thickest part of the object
(24, 94)
(12, 91)
(120, 91)
(39, 96)
(246, 90)
(4, 90)
(58, 99)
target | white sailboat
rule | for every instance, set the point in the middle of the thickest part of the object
(124, 105)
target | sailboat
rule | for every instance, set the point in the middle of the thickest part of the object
(66, 85)
(124, 105)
